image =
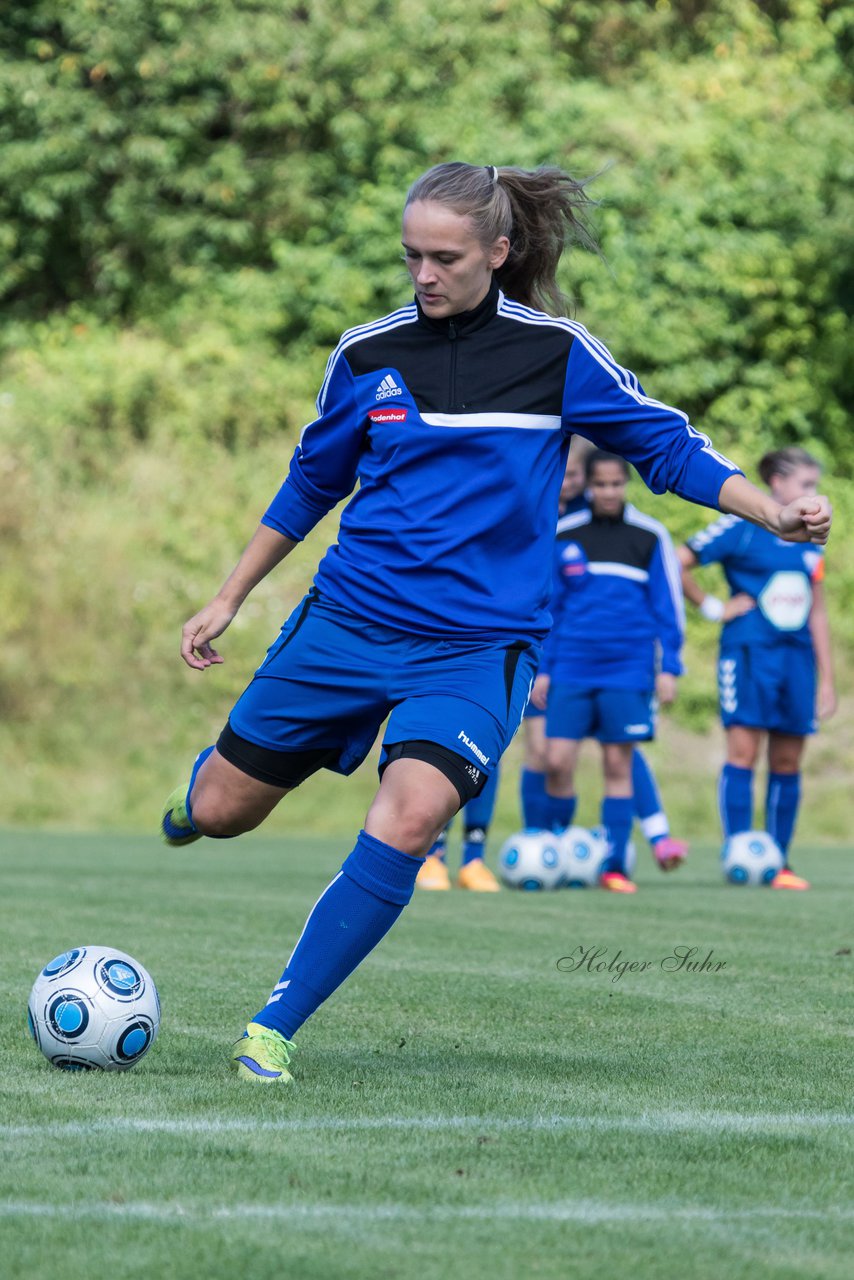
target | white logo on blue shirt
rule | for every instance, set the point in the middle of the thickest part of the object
(388, 387)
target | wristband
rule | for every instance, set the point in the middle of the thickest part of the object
(712, 608)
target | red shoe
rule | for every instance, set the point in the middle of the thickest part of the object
(787, 879)
(617, 882)
(670, 853)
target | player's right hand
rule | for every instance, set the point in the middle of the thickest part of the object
(204, 626)
(540, 692)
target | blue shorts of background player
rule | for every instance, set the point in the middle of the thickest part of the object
(767, 687)
(608, 715)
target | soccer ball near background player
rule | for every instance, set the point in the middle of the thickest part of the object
(94, 1008)
(584, 852)
(532, 860)
(751, 857)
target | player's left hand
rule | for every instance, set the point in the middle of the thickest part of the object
(827, 702)
(806, 519)
(665, 687)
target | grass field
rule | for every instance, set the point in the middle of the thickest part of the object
(463, 1106)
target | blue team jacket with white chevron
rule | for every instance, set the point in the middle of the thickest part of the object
(618, 610)
(456, 433)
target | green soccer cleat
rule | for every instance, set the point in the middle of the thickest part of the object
(262, 1055)
(176, 827)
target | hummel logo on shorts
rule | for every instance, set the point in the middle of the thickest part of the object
(388, 387)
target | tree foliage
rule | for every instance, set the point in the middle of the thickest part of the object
(162, 159)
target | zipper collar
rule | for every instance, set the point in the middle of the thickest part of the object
(465, 322)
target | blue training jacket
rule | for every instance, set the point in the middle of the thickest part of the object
(457, 431)
(618, 610)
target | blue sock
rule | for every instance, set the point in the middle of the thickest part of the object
(440, 846)
(617, 816)
(349, 918)
(781, 807)
(478, 812)
(735, 799)
(558, 812)
(648, 807)
(647, 799)
(197, 764)
(474, 844)
(532, 791)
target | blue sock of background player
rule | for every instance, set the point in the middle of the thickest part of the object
(617, 818)
(782, 801)
(735, 799)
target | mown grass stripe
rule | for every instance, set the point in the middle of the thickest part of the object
(646, 1122)
(346, 1215)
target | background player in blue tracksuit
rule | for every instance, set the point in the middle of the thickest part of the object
(615, 642)
(774, 641)
(544, 812)
(453, 415)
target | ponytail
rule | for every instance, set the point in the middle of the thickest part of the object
(538, 210)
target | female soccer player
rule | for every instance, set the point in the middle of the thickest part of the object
(775, 635)
(617, 611)
(454, 415)
(545, 812)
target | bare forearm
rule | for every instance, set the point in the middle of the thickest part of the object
(266, 549)
(805, 519)
(738, 497)
(820, 631)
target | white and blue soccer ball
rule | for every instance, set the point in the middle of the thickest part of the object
(751, 857)
(532, 860)
(94, 1008)
(584, 852)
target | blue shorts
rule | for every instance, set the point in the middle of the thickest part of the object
(610, 715)
(774, 689)
(331, 679)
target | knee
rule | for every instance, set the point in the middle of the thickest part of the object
(213, 817)
(559, 767)
(411, 827)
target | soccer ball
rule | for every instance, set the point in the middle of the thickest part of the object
(532, 860)
(584, 851)
(94, 1008)
(751, 857)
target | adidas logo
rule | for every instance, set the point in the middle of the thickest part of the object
(388, 387)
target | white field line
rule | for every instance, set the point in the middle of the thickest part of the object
(350, 1216)
(653, 1122)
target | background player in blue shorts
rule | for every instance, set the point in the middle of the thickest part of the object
(453, 414)
(614, 645)
(774, 641)
(544, 812)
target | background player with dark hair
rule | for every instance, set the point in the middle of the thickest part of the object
(539, 809)
(614, 645)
